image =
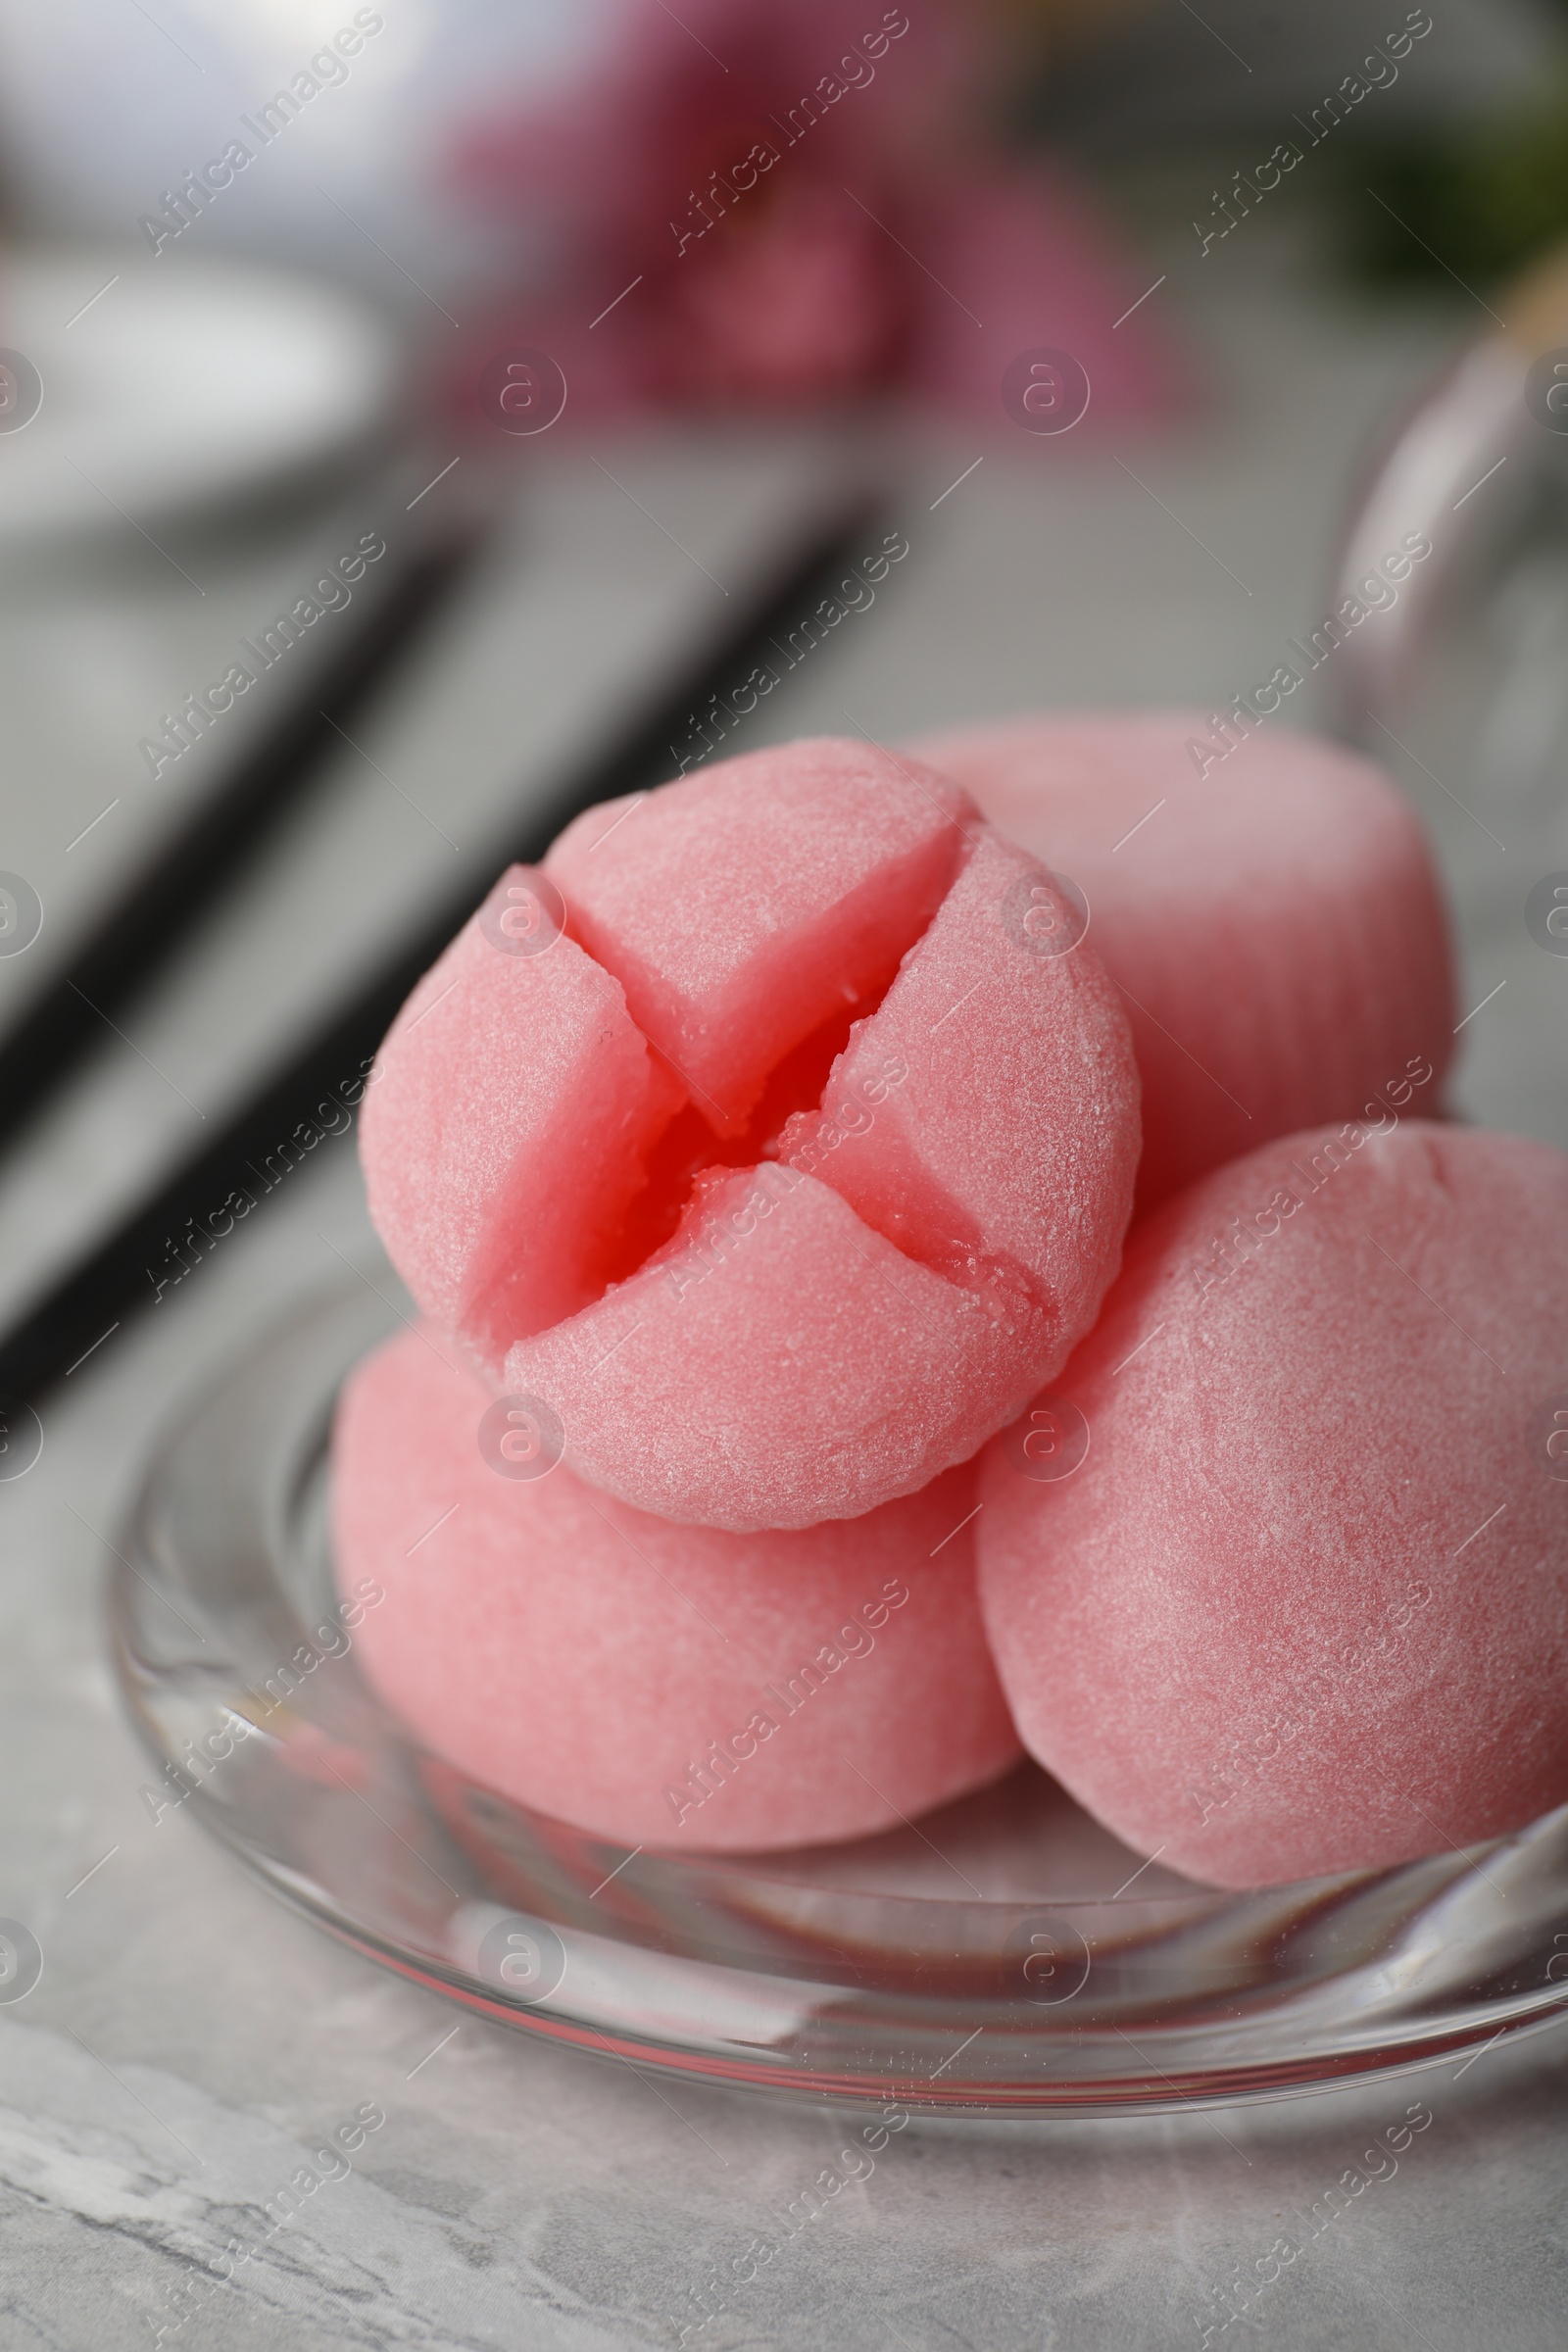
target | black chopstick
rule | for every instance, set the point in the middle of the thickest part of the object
(126, 946)
(167, 1235)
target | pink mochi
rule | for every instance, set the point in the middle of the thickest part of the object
(659, 1685)
(1302, 1606)
(802, 1317)
(1274, 923)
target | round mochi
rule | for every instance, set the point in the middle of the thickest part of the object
(1270, 914)
(656, 1684)
(1302, 1605)
(786, 1171)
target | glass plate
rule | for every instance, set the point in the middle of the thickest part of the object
(869, 1970)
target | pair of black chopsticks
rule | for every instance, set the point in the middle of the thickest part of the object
(106, 1287)
(283, 757)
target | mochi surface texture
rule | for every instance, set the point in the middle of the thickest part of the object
(786, 1169)
(1275, 926)
(657, 1685)
(1303, 1606)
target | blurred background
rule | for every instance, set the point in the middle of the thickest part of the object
(602, 336)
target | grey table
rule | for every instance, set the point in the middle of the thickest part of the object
(190, 2043)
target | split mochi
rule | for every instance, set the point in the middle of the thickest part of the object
(1270, 914)
(658, 1686)
(804, 1318)
(1303, 1606)
(842, 1323)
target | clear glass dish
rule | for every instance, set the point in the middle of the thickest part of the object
(1004, 1956)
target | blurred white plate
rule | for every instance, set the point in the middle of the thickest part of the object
(182, 387)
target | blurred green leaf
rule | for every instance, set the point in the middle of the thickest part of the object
(1485, 200)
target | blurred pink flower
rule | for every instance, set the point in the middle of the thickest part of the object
(781, 205)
